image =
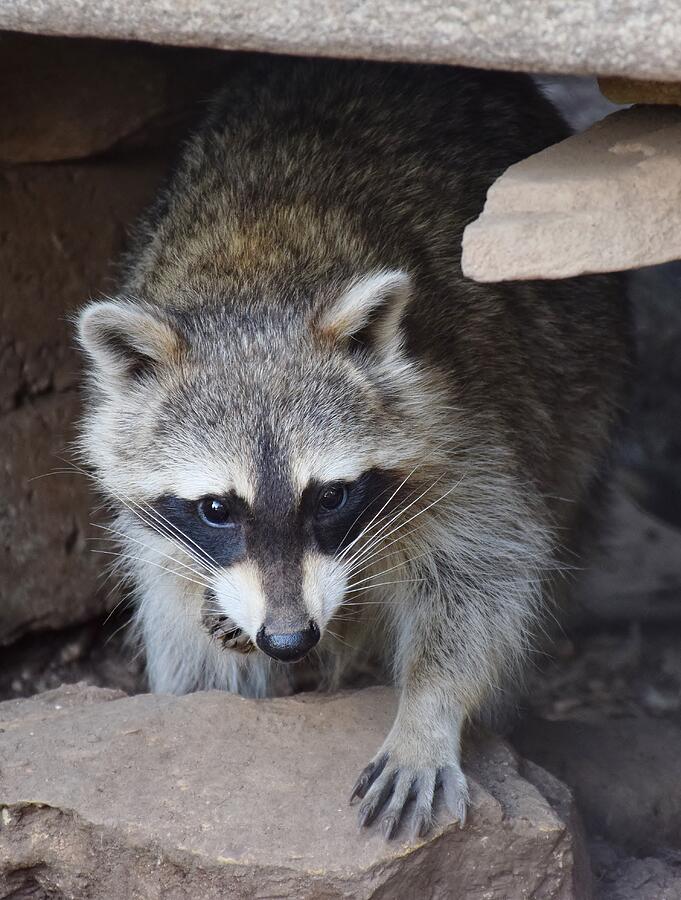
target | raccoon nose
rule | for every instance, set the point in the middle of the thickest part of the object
(288, 646)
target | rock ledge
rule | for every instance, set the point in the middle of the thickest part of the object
(602, 201)
(212, 796)
(638, 40)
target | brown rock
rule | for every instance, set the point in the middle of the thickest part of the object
(48, 576)
(65, 99)
(59, 228)
(212, 796)
(625, 774)
(605, 200)
(632, 90)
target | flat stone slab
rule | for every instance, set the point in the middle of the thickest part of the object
(211, 795)
(606, 200)
(639, 39)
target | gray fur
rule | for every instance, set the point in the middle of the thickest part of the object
(294, 313)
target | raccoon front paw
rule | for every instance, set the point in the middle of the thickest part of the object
(390, 780)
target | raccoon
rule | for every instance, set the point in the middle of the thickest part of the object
(320, 440)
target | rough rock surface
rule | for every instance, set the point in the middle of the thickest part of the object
(635, 572)
(620, 877)
(64, 99)
(59, 228)
(637, 39)
(211, 795)
(602, 201)
(625, 775)
(632, 90)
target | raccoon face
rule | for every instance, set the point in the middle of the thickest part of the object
(253, 444)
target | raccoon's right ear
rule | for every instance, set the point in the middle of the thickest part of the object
(125, 340)
(368, 313)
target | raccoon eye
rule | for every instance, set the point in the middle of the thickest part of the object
(333, 497)
(214, 512)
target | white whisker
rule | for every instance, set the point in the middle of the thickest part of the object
(376, 538)
(382, 536)
(345, 550)
(383, 584)
(383, 572)
(148, 562)
(154, 520)
(127, 537)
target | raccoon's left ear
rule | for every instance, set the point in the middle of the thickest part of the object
(125, 340)
(369, 311)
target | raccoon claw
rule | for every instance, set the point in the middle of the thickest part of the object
(367, 777)
(421, 825)
(385, 789)
(389, 826)
(455, 789)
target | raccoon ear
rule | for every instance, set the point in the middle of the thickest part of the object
(369, 311)
(125, 340)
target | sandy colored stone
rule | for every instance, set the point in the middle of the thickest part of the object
(605, 200)
(633, 90)
(637, 39)
(625, 774)
(64, 99)
(211, 795)
(60, 227)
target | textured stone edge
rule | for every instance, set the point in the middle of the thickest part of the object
(562, 212)
(466, 34)
(560, 798)
(64, 848)
(39, 834)
(48, 845)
